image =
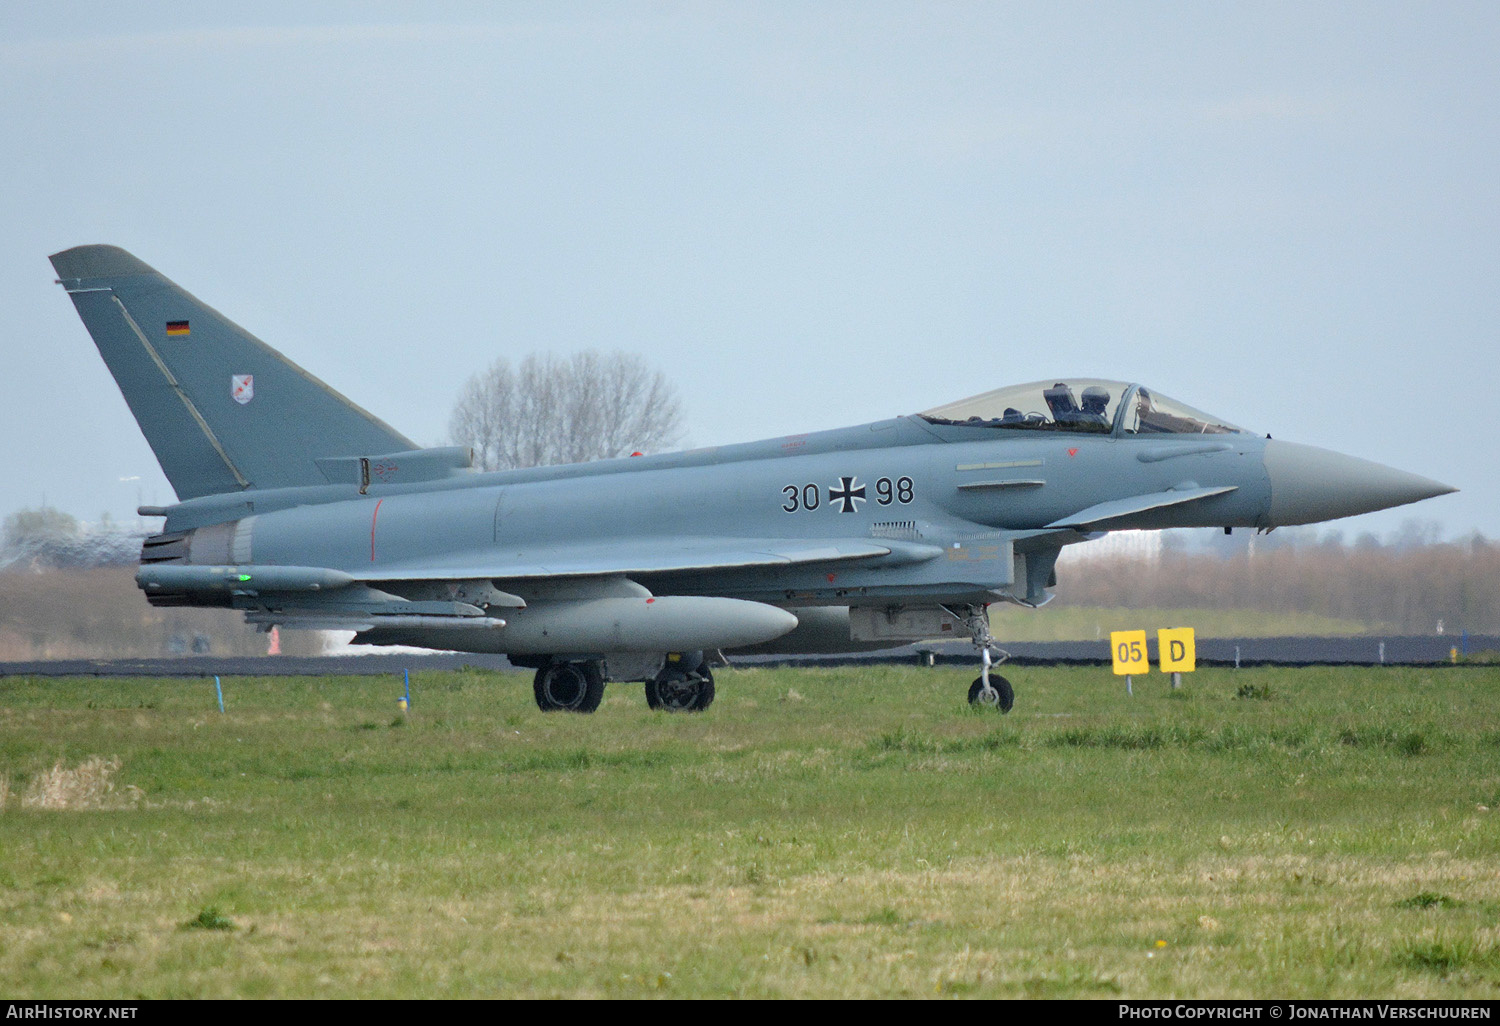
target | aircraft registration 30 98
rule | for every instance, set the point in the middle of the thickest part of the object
(304, 510)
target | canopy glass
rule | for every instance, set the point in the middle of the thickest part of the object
(1080, 405)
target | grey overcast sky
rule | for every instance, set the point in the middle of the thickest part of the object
(808, 214)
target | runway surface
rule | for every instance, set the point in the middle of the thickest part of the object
(1366, 651)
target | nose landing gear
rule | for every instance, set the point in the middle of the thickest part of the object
(994, 691)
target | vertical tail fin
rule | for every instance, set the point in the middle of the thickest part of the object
(222, 410)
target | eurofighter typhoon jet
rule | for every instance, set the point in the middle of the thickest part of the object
(303, 510)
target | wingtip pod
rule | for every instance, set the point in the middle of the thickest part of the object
(97, 261)
(241, 578)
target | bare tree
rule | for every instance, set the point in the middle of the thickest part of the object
(48, 537)
(552, 409)
(42, 523)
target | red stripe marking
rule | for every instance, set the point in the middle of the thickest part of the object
(373, 515)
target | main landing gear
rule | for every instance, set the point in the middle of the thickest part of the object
(569, 687)
(578, 685)
(679, 691)
(991, 690)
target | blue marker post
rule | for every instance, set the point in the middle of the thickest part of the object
(405, 701)
(219, 690)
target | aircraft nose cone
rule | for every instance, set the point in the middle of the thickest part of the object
(1309, 484)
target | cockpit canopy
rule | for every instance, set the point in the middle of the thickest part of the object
(1082, 405)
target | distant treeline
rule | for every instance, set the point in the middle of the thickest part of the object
(1408, 586)
(99, 613)
(1402, 588)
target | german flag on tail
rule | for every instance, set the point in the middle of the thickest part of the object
(178, 328)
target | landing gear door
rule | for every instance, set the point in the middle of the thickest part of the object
(1035, 572)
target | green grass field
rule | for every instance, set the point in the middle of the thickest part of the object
(817, 833)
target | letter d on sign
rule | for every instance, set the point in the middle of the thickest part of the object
(1179, 652)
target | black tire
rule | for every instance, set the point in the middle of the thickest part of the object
(1005, 694)
(677, 692)
(569, 687)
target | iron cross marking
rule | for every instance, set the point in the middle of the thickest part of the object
(847, 496)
